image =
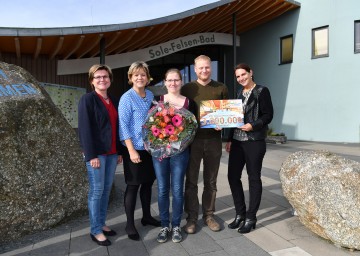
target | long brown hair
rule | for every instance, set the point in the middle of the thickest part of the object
(173, 70)
(245, 67)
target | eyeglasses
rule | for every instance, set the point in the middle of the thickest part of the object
(99, 77)
(173, 80)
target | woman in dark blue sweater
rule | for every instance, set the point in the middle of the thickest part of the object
(98, 126)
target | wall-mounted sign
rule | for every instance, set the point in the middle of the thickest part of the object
(66, 98)
(78, 66)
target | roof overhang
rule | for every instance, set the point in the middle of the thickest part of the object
(83, 42)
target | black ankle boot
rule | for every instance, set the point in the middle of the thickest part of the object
(237, 222)
(150, 221)
(248, 225)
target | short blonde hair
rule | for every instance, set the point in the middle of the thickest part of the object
(202, 57)
(97, 67)
(136, 66)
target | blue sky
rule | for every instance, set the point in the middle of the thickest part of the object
(70, 13)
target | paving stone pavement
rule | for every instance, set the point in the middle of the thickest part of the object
(278, 232)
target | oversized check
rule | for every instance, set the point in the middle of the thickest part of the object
(221, 113)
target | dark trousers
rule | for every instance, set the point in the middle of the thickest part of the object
(252, 154)
(130, 203)
(208, 150)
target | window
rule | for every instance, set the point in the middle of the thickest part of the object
(320, 42)
(357, 36)
(286, 49)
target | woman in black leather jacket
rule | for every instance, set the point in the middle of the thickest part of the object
(247, 146)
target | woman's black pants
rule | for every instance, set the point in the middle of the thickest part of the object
(251, 154)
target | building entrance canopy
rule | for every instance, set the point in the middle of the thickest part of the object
(76, 66)
(75, 43)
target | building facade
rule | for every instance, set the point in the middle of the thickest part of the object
(307, 52)
(315, 98)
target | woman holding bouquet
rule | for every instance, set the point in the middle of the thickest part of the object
(138, 166)
(170, 171)
(247, 147)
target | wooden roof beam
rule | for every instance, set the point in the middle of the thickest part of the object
(117, 48)
(96, 51)
(38, 47)
(92, 46)
(262, 12)
(143, 36)
(58, 47)
(225, 25)
(212, 16)
(265, 15)
(185, 24)
(183, 27)
(198, 19)
(165, 36)
(78, 44)
(17, 47)
(246, 14)
(154, 37)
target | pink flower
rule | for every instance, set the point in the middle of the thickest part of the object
(155, 131)
(177, 120)
(167, 119)
(163, 132)
(171, 111)
(164, 112)
(169, 129)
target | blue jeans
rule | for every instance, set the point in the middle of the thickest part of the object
(100, 183)
(171, 171)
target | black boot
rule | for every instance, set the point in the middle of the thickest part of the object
(237, 222)
(150, 221)
(248, 225)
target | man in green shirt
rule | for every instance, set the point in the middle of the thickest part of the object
(207, 146)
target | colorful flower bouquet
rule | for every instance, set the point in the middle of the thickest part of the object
(167, 130)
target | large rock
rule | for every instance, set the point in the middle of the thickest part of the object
(42, 175)
(324, 189)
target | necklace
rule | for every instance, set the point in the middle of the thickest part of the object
(142, 93)
(143, 97)
(250, 89)
(104, 98)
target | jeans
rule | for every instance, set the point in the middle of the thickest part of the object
(100, 183)
(171, 172)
